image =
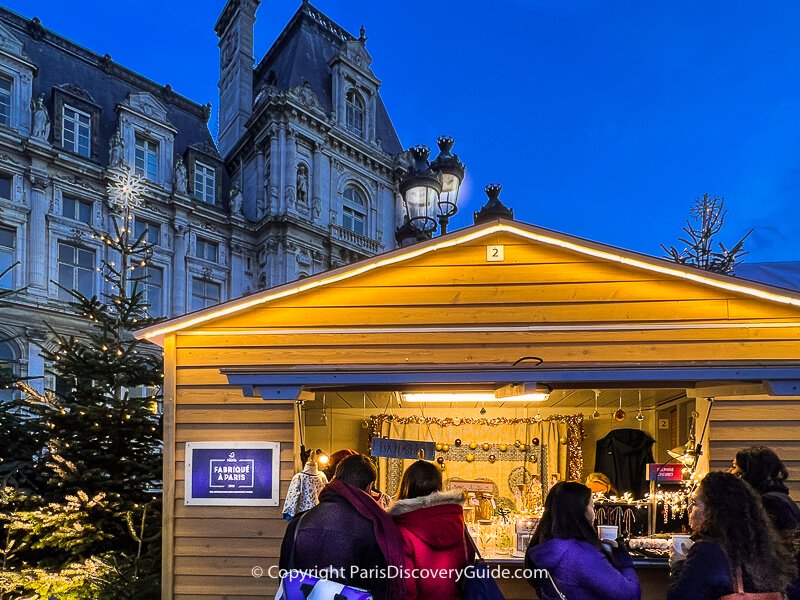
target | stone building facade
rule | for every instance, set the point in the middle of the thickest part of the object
(303, 178)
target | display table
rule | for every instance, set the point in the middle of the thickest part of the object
(653, 575)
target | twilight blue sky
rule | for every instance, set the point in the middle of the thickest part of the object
(603, 120)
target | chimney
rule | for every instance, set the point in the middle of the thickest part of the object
(235, 31)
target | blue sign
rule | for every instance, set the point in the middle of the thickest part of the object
(389, 448)
(232, 474)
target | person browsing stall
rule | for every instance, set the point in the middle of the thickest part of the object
(432, 525)
(734, 541)
(580, 566)
(348, 533)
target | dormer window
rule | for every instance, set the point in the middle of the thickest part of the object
(204, 182)
(76, 131)
(354, 117)
(146, 158)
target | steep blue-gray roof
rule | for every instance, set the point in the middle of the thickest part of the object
(62, 61)
(302, 53)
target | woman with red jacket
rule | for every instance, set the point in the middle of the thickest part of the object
(432, 525)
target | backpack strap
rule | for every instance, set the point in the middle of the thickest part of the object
(290, 563)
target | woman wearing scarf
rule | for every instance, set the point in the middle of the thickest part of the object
(349, 534)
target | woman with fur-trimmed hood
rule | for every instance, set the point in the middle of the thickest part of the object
(432, 525)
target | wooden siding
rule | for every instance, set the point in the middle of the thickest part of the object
(209, 551)
(214, 548)
(737, 424)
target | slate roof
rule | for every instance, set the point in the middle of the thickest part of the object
(302, 53)
(780, 274)
(62, 61)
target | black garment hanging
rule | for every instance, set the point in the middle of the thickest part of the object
(623, 455)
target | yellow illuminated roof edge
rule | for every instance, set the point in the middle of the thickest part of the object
(400, 255)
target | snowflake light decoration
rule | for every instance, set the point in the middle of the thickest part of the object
(126, 190)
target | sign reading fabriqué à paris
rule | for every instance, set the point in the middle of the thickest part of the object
(232, 473)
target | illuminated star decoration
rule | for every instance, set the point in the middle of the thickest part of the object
(126, 190)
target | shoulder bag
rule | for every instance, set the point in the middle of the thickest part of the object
(740, 594)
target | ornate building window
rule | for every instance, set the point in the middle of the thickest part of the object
(151, 284)
(205, 293)
(8, 242)
(354, 211)
(77, 210)
(8, 368)
(207, 250)
(151, 231)
(204, 182)
(5, 186)
(5, 101)
(354, 117)
(146, 158)
(76, 131)
(75, 271)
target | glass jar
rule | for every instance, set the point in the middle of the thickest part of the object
(486, 507)
(486, 536)
(504, 536)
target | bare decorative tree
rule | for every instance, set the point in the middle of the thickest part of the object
(708, 216)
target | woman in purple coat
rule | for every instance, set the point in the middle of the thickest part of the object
(579, 566)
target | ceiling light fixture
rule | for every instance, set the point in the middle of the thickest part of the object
(514, 392)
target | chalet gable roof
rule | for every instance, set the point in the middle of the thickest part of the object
(531, 233)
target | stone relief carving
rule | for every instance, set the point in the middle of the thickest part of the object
(116, 150)
(229, 48)
(180, 176)
(41, 120)
(303, 258)
(290, 195)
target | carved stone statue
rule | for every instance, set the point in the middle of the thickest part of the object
(236, 200)
(302, 184)
(180, 176)
(116, 150)
(41, 120)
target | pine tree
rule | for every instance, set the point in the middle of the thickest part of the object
(708, 215)
(101, 453)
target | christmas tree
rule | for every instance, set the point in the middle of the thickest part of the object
(708, 217)
(85, 519)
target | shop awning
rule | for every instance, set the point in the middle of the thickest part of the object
(286, 383)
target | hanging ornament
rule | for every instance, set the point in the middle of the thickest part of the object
(639, 414)
(535, 441)
(445, 447)
(470, 457)
(441, 466)
(517, 443)
(472, 445)
(492, 458)
(619, 414)
(483, 410)
(562, 440)
(365, 424)
(485, 446)
(440, 460)
(439, 446)
(523, 447)
(596, 413)
(503, 447)
(457, 442)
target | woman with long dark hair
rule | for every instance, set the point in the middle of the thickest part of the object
(432, 525)
(579, 565)
(733, 540)
(763, 469)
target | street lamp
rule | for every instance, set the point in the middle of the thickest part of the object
(452, 170)
(494, 208)
(430, 192)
